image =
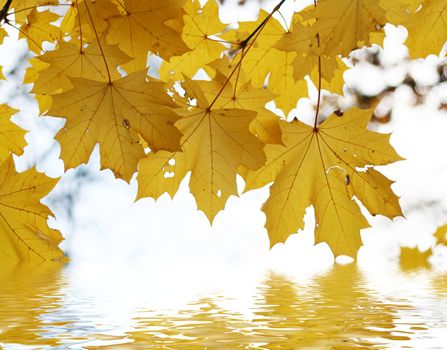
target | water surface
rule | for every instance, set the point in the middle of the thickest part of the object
(344, 307)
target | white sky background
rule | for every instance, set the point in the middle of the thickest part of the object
(107, 225)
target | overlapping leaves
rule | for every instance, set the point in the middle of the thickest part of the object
(90, 67)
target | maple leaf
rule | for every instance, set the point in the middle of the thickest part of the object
(310, 56)
(332, 18)
(427, 29)
(23, 8)
(95, 78)
(263, 60)
(245, 96)
(201, 27)
(142, 28)
(87, 19)
(25, 234)
(114, 114)
(325, 167)
(413, 258)
(51, 72)
(38, 29)
(12, 137)
(441, 235)
(215, 143)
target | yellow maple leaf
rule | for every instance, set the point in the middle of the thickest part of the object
(87, 19)
(261, 60)
(215, 143)
(441, 235)
(24, 232)
(12, 137)
(310, 59)
(344, 25)
(22, 8)
(142, 28)
(200, 32)
(72, 61)
(303, 39)
(427, 29)
(245, 96)
(38, 28)
(413, 259)
(325, 167)
(114, 114)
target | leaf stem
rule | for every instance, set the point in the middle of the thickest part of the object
(317, 110)
(261, 25)
(81, 45)
(244, 44)
(99, 44)
(244, 52)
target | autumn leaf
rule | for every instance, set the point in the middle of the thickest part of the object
(215, 143)
(303, 40)
(86, 20)
(142, 27)
(114, 114)
(310, 59)
(263, 60)
(89, 65)
(200, 32)
(427, 29)
(22, 8)
(245, 96)
(413, 259)
(332, 18)
(441, 235)
(52, 71)
(326, 167)
(25, 235)
(12, 137)
(38, 29)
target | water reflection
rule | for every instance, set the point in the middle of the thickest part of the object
(50, 307)
(335, 311)
(27, 295)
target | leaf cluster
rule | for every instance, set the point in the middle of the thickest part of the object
(204, 112)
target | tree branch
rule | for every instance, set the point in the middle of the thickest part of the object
(4, 11)
(258, 28)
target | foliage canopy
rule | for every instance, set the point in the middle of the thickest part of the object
(89, 66)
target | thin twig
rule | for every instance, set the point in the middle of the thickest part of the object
(243, 45)
(258, 28)
(317, 111)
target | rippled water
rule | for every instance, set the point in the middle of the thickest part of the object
(53, 307)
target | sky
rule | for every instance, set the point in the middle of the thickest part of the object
(100, 220)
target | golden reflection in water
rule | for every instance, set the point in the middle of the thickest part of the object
(334, 310)
(26, 295)
(439, 284)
